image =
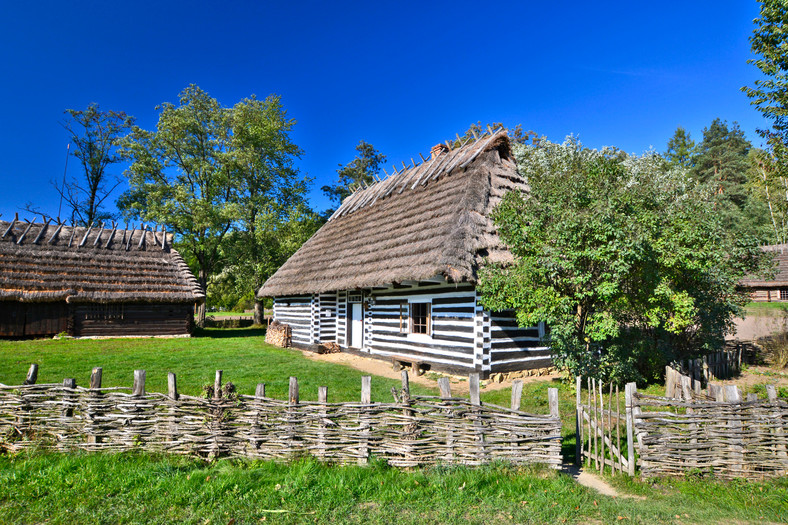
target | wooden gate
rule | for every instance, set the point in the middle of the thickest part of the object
(600, 425)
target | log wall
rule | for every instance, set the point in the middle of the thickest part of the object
(132, 319)
(296, 311)
(19, 319)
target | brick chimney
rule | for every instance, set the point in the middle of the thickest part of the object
(438, 150)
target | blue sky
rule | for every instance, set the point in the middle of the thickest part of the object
(400, 75)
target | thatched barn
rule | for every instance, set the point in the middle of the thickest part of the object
(775, 289)
(92, 281)
(393, 272)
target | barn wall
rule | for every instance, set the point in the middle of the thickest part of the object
(32, 319)
(327, 311)
(296, 311)
(127, 319)
(763, 295)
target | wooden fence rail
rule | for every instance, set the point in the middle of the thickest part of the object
(409, 431)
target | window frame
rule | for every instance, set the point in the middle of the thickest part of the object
(413, 325)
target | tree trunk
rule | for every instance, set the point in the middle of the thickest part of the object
(201, 308)
(259, 315)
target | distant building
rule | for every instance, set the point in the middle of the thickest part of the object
(776, 289)
(92, 282)
(393, 272)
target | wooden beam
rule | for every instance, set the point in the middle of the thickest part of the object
(22, 237)
(53, 238)
(98, 236)
(85, 238)
(41, 233)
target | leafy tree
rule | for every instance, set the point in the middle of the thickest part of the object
(361, 170)
(218, 178)
(770, 95)
(681, 149)
(274, 215)
(96, 136)
(624, 257)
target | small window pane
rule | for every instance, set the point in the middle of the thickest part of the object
(784, 294)
(420, 318)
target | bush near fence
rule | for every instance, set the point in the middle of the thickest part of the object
(408, 431)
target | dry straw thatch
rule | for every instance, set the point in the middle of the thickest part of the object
(780, 252)
(428, 220)
(42, 262)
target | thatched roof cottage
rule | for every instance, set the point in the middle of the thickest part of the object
(393, 272)
(92, 281)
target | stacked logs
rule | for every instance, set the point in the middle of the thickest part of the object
(328, 347)
(279, 334)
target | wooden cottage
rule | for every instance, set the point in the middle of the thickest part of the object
(775, 289)
(92, 282)
(392, 273)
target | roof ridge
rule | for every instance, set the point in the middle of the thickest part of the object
(419, 173)
(105, 235)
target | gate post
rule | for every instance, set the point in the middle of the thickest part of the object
(629, 396)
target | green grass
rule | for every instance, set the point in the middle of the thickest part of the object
(241, 353)
(142, 488)
(754, 308)
(138, 488)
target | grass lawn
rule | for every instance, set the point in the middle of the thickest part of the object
(143, 488)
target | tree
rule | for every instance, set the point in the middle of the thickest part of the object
(96, 136)
(274, 217)
(362, 170)
(722, 162)
(681, 149)
(770, 95)
(624, 257)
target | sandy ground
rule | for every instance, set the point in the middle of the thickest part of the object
(377, 367)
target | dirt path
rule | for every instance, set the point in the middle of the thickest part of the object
(377, 367)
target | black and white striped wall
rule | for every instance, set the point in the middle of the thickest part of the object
(464, 337)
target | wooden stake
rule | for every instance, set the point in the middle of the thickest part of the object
(578, 421)
(95, 378)
(366, 390)
(517, 394)
(32, 375)
(138, 388)
(217, 385)
(260, 390)
(172, 386)
(293, 391)
(473, 385)
(629, 396)
(445, 387)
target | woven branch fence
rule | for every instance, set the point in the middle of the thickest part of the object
(409, 431)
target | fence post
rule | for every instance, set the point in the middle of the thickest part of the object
(411, 429)
(292, 415)
(91, 412)
(475, 396)
(552, 400)
(445, 389)
(217, 385)
(578, 422)
(363, 420)
(779, 435)
(259, 391)
(32, 375)
(733, 396)
(629, 398)
(322, 398)
(138, 387)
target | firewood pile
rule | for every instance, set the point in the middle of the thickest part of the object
(279, 334)
(328, 347)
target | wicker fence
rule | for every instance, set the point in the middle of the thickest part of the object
(409, 431)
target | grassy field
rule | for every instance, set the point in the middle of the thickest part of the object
(140, 488)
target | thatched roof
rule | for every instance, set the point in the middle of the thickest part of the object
(780, 252)
(55, 262)
(425, 221)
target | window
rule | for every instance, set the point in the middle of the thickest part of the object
(784, 294)
(420, 318)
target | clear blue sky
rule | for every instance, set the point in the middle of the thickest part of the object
(400, 75)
